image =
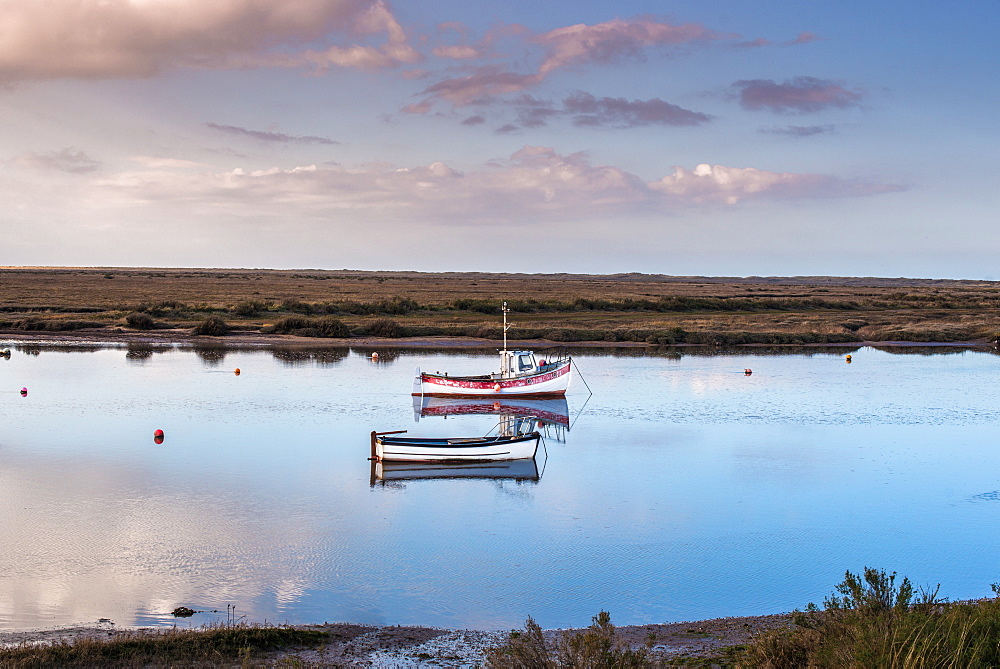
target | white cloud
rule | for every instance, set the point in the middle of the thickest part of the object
(731, 185)
(534, 182)
(165, 163)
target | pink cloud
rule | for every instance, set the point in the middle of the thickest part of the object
(67, 160)
(485, 83)
(457, 52)
(804, 38)
(47, 39)
(267, 136)
(613, 40)
(800, 95)
(754, 43)
(619, 112)
(575, 45)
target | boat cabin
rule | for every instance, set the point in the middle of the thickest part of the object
(518, 363)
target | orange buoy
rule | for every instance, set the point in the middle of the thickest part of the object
(496, 387)
(848, 358)
(236, 371)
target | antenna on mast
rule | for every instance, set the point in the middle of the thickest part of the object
(505, 326)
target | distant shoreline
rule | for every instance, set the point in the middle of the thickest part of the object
(236, 340)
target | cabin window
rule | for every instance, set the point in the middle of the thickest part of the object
(524, 361)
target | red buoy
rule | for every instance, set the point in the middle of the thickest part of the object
(236, 371)
(158, 433)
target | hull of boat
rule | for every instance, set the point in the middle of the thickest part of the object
(551, 382)
(488, 449)
(516, 470)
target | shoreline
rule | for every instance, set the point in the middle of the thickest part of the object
(183, 337)
(355, 645)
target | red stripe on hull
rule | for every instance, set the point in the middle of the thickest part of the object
(493, 395)
(488, 386)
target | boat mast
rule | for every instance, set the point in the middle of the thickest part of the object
(504, 355)
(505, 326)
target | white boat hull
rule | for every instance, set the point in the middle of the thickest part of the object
(553, 381)
(386, 449)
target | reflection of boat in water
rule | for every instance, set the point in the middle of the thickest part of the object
(507, 445)
(512, 470)
(521, 375)
(548, 412)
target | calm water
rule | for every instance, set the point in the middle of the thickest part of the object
(683, 490)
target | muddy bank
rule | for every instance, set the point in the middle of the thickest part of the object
(352, 645)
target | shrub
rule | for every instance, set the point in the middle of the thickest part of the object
(327, 326)
(595, 647)
(296, 306)
(249, 308)
(872, 622)
(140, 321)
(486, 332)
(332, 327)
(289, 324)
(384, 327)
(212, 326)
(40, 324)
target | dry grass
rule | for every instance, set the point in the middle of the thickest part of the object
(783, 309)
(230, 645)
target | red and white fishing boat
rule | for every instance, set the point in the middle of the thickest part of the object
(521, 374)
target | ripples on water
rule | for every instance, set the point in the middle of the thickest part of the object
(684, 490)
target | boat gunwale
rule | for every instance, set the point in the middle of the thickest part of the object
(552, 367)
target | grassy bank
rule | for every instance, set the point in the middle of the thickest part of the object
(231, 645)
(562, 308)
(871, 620)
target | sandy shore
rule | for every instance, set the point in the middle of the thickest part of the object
(400, 646)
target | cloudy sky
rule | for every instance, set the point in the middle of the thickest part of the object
(718, 138)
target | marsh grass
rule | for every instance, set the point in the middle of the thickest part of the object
(873, 622)
(566, 308)
(222, 645)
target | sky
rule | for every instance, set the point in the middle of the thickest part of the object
(719, 138)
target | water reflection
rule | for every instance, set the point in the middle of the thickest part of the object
(515, 470)
(139, 352)
(303, 356)
(212, 356)
(553, 411)
(687, 489)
